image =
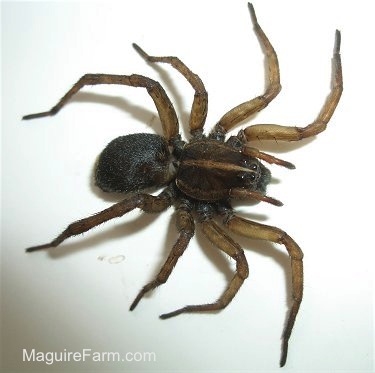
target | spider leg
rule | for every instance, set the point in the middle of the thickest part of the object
(289, 133)
(244, 110)
(198, 111)
(221, 240)
(254, 230)
(185, 225)
(163, 104)
(145, 202)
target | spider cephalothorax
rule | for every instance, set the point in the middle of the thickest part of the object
(210, 170)
(202, 175)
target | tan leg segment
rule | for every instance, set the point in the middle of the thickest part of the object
(288, 133)
(221, 240)
(163, 104)
(264, 232)
(146, 202)
(185, 225)
(244, 110)
(199, 108)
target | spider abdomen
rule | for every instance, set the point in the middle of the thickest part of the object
(134, 162)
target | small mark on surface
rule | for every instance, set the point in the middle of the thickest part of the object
(112, 259)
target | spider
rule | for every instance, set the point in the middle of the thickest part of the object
(201, 177)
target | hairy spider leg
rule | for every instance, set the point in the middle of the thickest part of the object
(289, 133)
(163, 104)
(199, 107)
(146, 202)
(185, 225)
(254, 230)
(222, 241)
(246, 109)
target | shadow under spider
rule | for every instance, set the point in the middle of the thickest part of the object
(143, 115)
(137, 112)
(267, 249)
(92, 239)
(215, 256)
(178, 100)
(222, 262)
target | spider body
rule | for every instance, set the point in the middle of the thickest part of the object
(205, 169)
(134, 162)
(202, 176)
(209, 169)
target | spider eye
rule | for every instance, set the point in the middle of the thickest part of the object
(250, 163)
(247, 177)
(242, 176)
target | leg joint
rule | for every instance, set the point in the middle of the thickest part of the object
(152, 204)
(242, 267)
(293, 249)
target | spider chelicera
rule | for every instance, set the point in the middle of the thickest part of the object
(200, 177)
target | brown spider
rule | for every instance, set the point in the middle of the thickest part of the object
(200, 176)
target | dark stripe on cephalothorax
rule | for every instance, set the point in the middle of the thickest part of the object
(202, 194)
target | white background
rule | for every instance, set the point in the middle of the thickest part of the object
(70, 299)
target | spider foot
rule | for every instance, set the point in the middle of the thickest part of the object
(144, 290)
(172, 314)
(196, 308)
(252, 13)
(284, 353)
(337, 42)
(53, 111)
(140, 51)
(135, 302)
(40, 247)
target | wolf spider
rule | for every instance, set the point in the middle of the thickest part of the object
(203, 175)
